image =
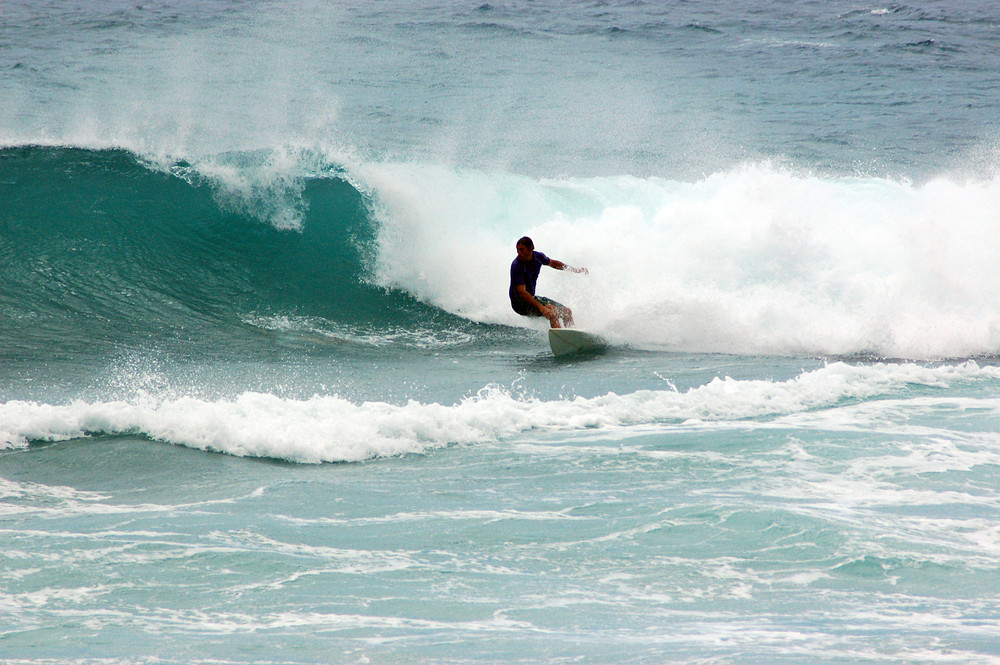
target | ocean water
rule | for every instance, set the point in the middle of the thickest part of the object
(263, 399)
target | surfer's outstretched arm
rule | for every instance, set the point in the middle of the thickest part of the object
(559, 265)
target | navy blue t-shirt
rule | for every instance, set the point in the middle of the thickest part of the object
(526, 272)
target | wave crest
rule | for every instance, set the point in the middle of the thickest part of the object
(333, 429)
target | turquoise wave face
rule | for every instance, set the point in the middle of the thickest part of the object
(99, 249)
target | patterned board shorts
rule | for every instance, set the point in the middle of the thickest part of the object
(525, 308)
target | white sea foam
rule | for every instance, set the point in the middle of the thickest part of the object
(752, 260)
(330, 428)
(323, 331)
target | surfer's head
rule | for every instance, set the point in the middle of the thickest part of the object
(525, 249)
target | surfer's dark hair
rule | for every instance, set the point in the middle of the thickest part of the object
(526, 241)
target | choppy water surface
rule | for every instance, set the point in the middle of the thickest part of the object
(262, 397)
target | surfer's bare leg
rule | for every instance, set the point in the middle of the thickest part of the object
(552, 313)
(559, 316)
(566, 314)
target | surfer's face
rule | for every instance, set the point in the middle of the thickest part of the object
(525, 253)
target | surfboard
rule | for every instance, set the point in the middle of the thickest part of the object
(571, 340)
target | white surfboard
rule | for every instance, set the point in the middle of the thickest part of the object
(571, 340)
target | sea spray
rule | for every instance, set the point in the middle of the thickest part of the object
(757, 259)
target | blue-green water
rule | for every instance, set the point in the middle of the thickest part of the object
(263, 400)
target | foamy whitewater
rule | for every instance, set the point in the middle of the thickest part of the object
(263, 398)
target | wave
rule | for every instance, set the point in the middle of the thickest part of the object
(755, 260)
(333, 429)
(105, 246)
(101, 247)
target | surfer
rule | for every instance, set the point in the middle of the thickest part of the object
(523, 275)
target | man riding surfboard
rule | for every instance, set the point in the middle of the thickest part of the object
(523, 277)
